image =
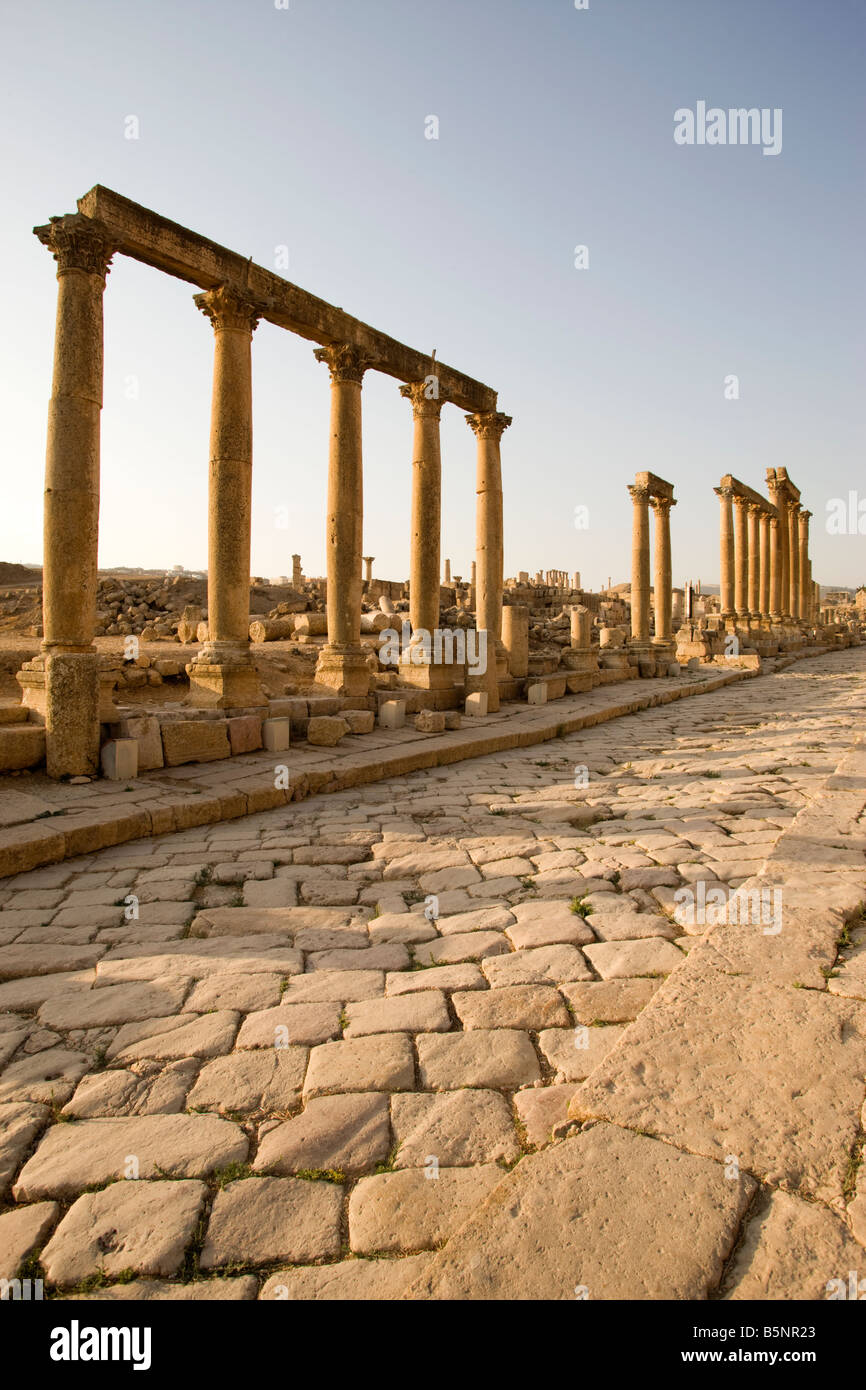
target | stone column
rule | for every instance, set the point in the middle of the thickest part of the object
(776, 567)
(726, 554)
(515, 637)
(342, 663)
(754, 561)
(640, 563)
(297, 576)
(794, 559)
(741, 566)
(663, 580)
(784, 556)
(62, 685)
(425, 542)
(488, 428)
(222, 673)
(803, 541)
(368, 569)
(764, 566)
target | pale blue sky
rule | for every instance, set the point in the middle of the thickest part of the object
(305, 127)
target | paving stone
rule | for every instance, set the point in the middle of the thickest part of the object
(115, 1093)
(457, 1128)
(609, 1001)
(182, 1035)
(49, 1076)
(115, 1004)
(383, 1062)
(390, 956)
(268, 1079)
(158, 1291)
(350, 1280)
(258, 1220)
(514, 1006)
(306, 1024)
(610, 1212)
(465, 946)
(414, 1013)
(500, 1058)
(548, 923)
(481, 919)
(140, 1226)
(334, 986)
(407, 927)
(23, 1231)
(246, 993)
(621, 959)
(72, 1157)
(793, 1250)
(540, 1110)
(631, 926)
(393, 1212)
(446, 977)
(541, 965)
(19, 962)
(345, 1134)
(19, 1125)
(692, 1063)
(575, 1052)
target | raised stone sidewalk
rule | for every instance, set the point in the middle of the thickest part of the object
(43, 821)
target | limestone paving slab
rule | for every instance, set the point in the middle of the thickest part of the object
(140, 1226)
(352, 1280)
(22, 1231)
(528, 1007)
(455, 1129)
(424, 1012)
(498, 1059)
(258, 1220)
(606, 1214)
(379, 1062)
(343, 1133)
(793, 1250)
(409, 1210)
(266, 1080)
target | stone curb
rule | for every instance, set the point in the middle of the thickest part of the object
(32, 846)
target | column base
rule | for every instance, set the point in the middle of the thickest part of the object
(222, 676)
(34, 694)
(62, 691)
(343, 670)
(580, 660)
(429, 675)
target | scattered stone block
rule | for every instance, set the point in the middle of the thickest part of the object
(452, 719)
(195, 741)
(245, 733)
(326, 730)
(430, 721)
(119, 759)
(536, 694)
(146, 732)
(475, 705)
(276, 734)
(360, 721)
(392, 714)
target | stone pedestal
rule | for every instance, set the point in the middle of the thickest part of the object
(515, 638)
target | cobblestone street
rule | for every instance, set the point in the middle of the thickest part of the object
(321, 1036)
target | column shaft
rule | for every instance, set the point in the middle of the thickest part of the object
(794, 560)
(726, 551)
(803, 539)
(663, 571)
(764, 568)
(426, 508)
(776, 568)
(640, 563)
(754, 560)
(741, 569)
(342, 664)
(488, 428)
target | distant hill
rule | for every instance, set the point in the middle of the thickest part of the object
(19, 574)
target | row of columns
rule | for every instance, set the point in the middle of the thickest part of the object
(765, 569)
(66, 684)
(644, 496)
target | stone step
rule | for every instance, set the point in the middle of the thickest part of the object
(21, 745)
(14, 714)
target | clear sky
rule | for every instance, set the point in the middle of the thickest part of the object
(305, 127)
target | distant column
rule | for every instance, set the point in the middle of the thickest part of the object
(805, 605)
(342, 663)
(754, 560)
(488, 428)
(776, 567)
(640, 562)
(663, 574)
(741, 563)
(794, 560)
(726, 550)
(764, 579)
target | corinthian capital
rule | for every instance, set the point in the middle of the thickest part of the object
(488, 424)
(662, 504)
(78, 243)
(640, 493)
(345, 361)
(228, 307)
(425, 398)
(727, 494)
